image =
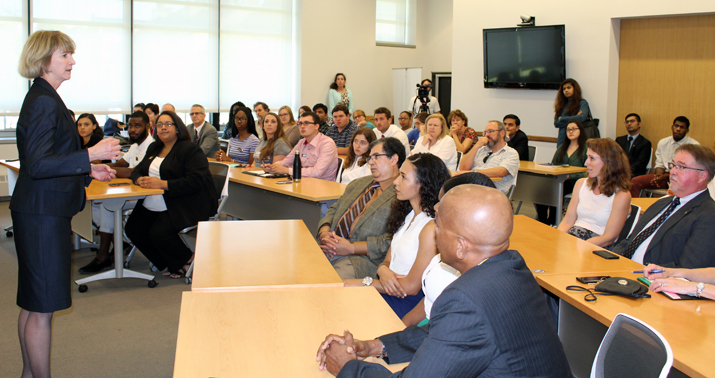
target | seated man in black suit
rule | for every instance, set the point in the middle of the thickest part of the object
(677, 231)
(517, 138)
(635, 145)
(491, 321)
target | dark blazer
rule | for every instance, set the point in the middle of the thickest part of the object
(191, 196)
(638, 155)
(685, 240)
(492, 321)
(53, 167)
(208, 138)
(520, 142)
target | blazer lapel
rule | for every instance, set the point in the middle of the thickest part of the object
(674, 219)
(387, 195)
(654, 210)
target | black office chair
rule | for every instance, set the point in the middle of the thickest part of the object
(532, 153)
(628, 227)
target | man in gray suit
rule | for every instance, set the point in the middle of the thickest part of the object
(205, 137)
(353, 233)
(677, 231)
(492, 321)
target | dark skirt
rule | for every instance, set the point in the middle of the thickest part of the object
(401, 306)
(44, 245)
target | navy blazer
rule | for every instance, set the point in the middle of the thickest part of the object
(53, 167)
(492, 321)
(685, 240)
(520, 142)
(639, 154)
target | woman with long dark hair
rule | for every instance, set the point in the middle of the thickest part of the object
(569, 106)
(242, 145)
(355, 164)
(273, 146)
(339, 93)
(89, 130)
(230, 125)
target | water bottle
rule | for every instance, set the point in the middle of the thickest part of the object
(297, 166)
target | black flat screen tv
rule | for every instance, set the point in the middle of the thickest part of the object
(525, 57)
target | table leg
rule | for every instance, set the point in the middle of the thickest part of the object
(560, 202)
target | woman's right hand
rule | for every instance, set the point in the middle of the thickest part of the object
(652, 276)
(220, 155)
(106, 149)
(388, 280)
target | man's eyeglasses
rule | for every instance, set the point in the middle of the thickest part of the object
(165, 124)
(631, 121)
(195, 114)
(306, 123)
(681, 167)
(486, 132)
(375, 156)
(487, 157)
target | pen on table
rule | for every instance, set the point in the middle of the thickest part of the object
(652, 271)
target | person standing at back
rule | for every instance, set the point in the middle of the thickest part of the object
(568, 107)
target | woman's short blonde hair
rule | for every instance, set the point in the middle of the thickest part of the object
(440, 117)
(38, 50)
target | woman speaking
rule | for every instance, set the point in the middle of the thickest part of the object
(50, 190)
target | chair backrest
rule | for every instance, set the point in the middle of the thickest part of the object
(219, 174)
(459, 158)
(513, 185)
(532, 153)
(630, 224)
(632, 348)
(650, 161)
(339, 173)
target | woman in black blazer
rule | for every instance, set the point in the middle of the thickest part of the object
(49, 192)
(179, 167)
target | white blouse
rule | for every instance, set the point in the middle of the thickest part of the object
(155, 202)
(435, 279)
(593, 211)
(406, 242)
(444, 148)
(354, 172)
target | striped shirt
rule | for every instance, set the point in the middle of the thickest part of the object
(240, 150)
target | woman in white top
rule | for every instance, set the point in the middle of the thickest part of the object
(273, 146)
(438, 275)
(601, 201)
(413, 240)
(435, 141)
(338, 93)
(355, 164)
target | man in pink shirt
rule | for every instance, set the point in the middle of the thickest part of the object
(318, 154)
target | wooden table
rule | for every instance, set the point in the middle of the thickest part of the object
(257, 198)
(259, 255)
(644, 203)
(273, 333)
(688, 326)
(542, 184)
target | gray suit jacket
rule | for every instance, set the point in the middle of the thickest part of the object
(371, 227)
(208, 138)
(685, 240)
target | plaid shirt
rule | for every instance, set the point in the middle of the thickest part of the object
(342, 138)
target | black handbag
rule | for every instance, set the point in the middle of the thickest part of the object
(623, 286)
(591, 127)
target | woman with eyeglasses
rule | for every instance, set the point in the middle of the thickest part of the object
(355, 164)
(339, 93)
(179, 167)
(360, 119)
(436, 141)
(419, 129)
(569, 107)
(572, 153)
(601, 202)
(243, 145)
(273, 146)
(230, 126)
(290, 126)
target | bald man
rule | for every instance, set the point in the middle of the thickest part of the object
(492, 321)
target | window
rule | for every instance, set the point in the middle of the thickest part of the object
(396, 22)
(13, 33)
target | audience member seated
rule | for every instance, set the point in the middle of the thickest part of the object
(490, 322)
(437, 142)
(462, 135)
(89, 130)
(412, 247)
(103, 218)
(664, 153)
(290, 126)
(168, 107)
(342, 130)
(322, 111)
(438, 275)
(339, 93)
(569, 107)
(261, 109)
(303, 109)
(405, 120)
(635, 145)
(318, 155)
(492, 157)
(700, 282)
(677, 232)
(355, 164)
(360, 118)
(432, 103)
(179, 167)
(138, 107)
(385, 128)
(152, 110)
(357, 244)
(230, 126)
(273, 146)
(203, 133)
(517, 138)
(419, 129)
(573, 153)
(245, 141)
(601, 201)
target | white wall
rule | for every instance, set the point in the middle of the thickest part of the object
(592, 30)
(328, 47)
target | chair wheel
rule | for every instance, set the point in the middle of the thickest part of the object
(83, 288)
(8, 234)
(188, 280)
(152, 284)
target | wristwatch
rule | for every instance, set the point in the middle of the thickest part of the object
(698, 289)
(367, 281)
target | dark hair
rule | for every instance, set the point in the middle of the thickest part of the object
(391, 146)
(268, 149)
(702, 155)
(96, 130)
(562, 100)
(383, 110)
(316, 118)
(153, 107)
(263, 104)
(182, 133)
(422, 117)
(350, 158)
(71, 112)
(142, 115)
(334, 85)
(231, 124)
(616, 171)
(459, 114)
(304, 108)
(423, 81)
(250, 123)
(682, 119)
(514, 117)
(475, 178)
(320, 105)
(409, 114)
(634, 115)
(341, 108)
(139, 105)
(431, 173)
(567, 142)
